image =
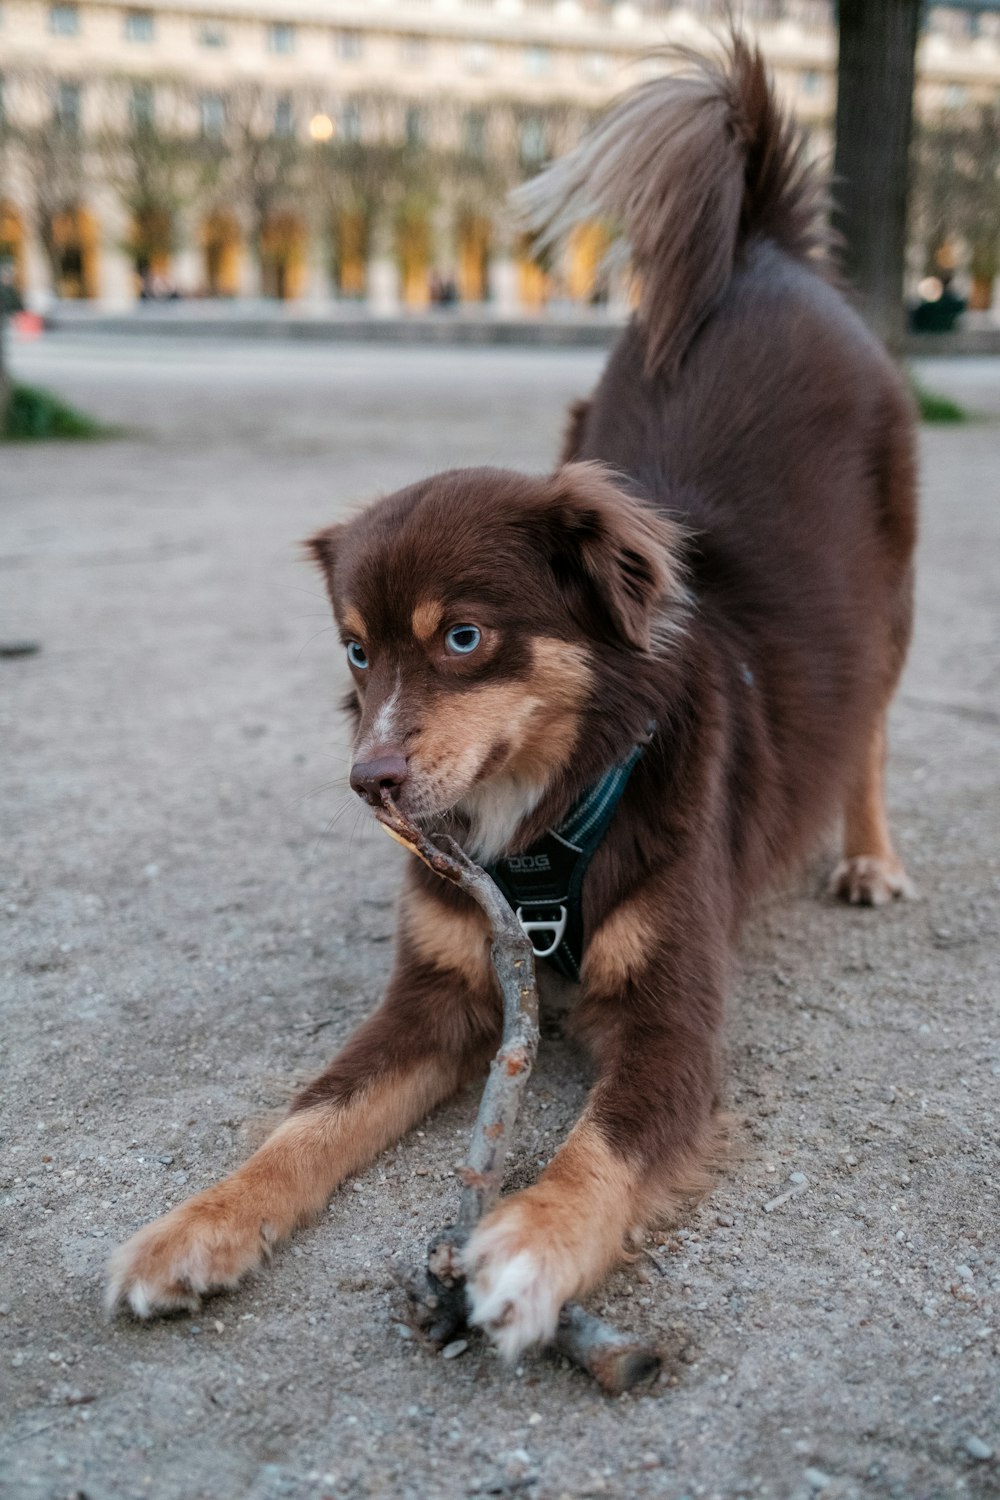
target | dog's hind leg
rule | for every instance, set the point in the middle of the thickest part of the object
(870, 872)
(438, 1024)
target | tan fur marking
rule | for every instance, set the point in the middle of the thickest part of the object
(870, 873)
(352, 622)
(455, 941)
(621, 946)
(561, 678)
(216, 1237)
(551, 1242)
(577, 1213)
(427, 617)
(866, 827)
(538, 717)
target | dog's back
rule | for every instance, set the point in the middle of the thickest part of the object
(749, 401)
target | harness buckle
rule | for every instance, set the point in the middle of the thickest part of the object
(529, 926)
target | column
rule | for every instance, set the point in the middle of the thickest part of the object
(383, 272)
(504, 291)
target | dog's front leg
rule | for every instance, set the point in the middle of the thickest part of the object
(651, 1009)
(437, 1025)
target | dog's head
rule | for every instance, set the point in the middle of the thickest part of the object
(480, 610)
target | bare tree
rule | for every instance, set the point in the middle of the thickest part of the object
(53, 158)
(956, 192)
(155, 165)
(373, 183)
(260, 162)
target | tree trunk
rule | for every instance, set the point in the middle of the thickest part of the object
(875, 77)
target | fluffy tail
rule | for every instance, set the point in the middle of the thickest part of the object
(688, 166)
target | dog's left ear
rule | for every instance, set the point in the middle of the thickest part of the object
(614, 557)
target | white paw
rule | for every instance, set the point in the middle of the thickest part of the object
(513, 1293)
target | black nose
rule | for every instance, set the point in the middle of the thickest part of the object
(383, 773)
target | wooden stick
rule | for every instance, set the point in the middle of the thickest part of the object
(436, 1292)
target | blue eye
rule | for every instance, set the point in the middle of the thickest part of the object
(462, 640)
(356, 655)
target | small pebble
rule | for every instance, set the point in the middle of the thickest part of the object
(454, 1349)
(797, 1177)
(817, 1480)
(976, 1448)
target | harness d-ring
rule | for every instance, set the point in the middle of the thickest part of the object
(530, 926)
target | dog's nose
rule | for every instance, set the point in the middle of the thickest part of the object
(383, 773)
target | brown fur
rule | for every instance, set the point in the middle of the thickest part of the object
(726, 552)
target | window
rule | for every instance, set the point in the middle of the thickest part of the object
(475, 133)
(212, 34)
(213, 114)
(140, 106)
(538, 61)
(348, 45)
(478, 57)
(284, 117)
(350, 122)
(68, 100)
(281, 38)
(139, 26)
(413, 51)
(64, 20)
(534, 145)
(811, 81)
(414, 126)
(955, 96)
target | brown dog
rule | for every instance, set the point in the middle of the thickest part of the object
(712, 592)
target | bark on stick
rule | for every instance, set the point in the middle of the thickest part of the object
(436, 1291)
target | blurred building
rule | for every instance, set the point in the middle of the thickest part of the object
(311, 149)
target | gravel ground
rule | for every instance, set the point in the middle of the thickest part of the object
(196, 914)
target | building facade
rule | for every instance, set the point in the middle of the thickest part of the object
(309, 150)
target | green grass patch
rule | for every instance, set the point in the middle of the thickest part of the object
(935, 408)
(34, 415)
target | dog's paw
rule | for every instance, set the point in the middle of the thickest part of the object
(516, 1281)
(868, 880)
(205, 1245)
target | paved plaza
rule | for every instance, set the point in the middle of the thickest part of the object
(195, 912)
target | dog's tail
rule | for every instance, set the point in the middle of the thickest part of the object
(688, 167)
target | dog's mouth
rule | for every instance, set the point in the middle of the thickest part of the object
(481, 812)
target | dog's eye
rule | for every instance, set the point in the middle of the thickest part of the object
(356, 655)
(461, 640)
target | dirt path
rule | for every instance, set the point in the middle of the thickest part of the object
(195, 913)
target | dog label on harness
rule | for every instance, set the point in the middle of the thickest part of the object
(521, 863)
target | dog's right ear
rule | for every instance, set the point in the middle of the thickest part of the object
(322, 548)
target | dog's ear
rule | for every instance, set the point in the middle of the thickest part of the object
(614, 557)
(322, 548)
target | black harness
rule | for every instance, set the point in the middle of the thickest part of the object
(544, 884)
